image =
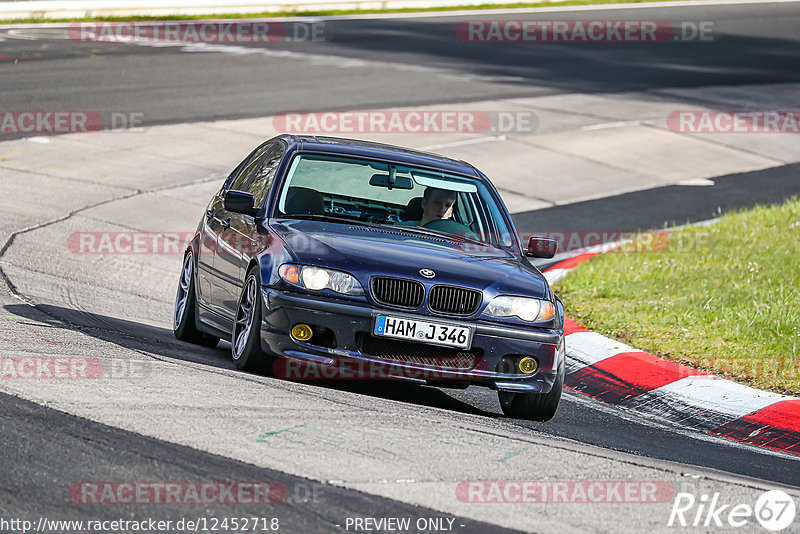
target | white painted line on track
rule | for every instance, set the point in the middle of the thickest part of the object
(619, 124)
(337, 61)
(463, 13)
(697, 182)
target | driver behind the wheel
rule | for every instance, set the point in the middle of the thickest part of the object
(436, 204)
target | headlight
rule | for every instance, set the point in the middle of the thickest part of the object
(525, 308)
(317, 279)
(314, 278)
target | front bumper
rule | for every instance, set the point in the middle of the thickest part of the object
(351, 321)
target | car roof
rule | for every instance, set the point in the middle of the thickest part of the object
(369, 149)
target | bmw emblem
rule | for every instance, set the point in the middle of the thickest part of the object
(427, 273)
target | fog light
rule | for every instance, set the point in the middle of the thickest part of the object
(528, 365)
(302, 332)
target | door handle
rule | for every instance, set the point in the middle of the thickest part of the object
(226, 224)
(210, 214)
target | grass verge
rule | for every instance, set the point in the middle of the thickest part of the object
(724, 298)
(330, 12)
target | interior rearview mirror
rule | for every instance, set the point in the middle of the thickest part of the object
(383, 180)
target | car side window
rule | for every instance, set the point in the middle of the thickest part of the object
(261, 181)
(239, 177)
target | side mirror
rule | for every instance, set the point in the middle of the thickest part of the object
(542, 247)
(240, 202)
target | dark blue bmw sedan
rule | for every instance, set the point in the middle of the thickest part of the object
(334, 258)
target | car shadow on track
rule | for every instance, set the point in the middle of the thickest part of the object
(150, 339)
(729, 57)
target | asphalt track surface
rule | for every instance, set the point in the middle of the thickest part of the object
(671, 205)
(753, 44)
(415, 62)
(44, 448)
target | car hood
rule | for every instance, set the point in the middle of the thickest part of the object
(366, 251)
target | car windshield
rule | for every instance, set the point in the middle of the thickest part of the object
(375, 192)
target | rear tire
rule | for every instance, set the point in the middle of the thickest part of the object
(184, 319)
(246, 335)
(534, 406)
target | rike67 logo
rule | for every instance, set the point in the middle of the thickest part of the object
(774, 510)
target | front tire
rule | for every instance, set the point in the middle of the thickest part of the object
(246, 336)
(534, 406)
(184, 318)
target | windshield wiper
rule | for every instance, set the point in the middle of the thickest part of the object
(412, 229)
(439, 233)
(333, 218)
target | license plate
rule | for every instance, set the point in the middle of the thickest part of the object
(423, 331)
